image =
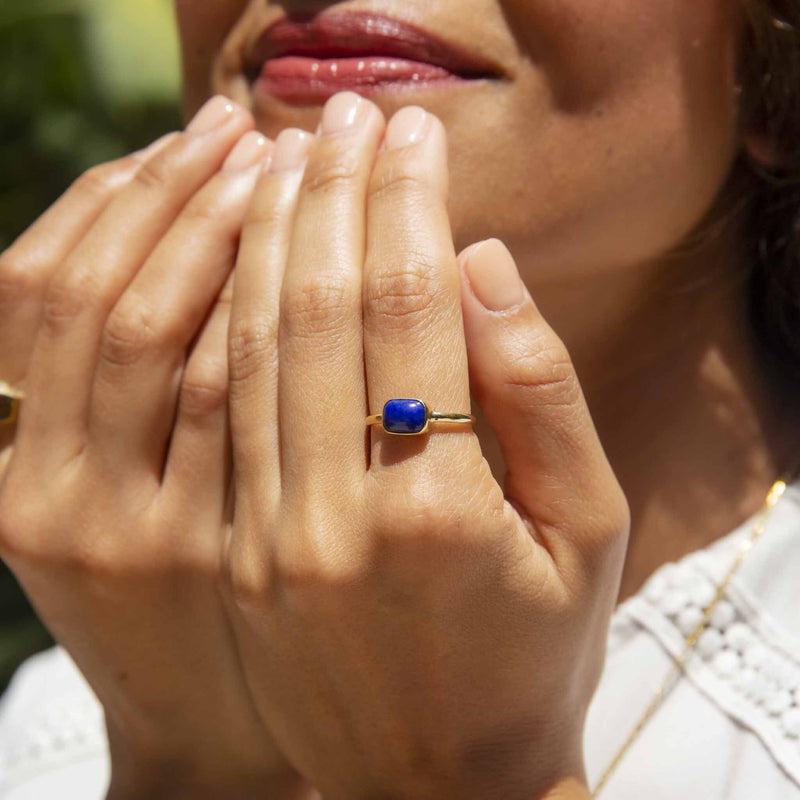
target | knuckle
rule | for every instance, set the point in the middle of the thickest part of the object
(19, 278)
(613, 524)
(331, 174)
(310, 560)
(29, 540)
(204, 389)
(427, 519)
(95, 563)
(317, 307)
(436, 511)
(403, 297)
(131, 331)
(547, 372)
(425, 535)
(67, 296)
(436, 521)
(245, 580)
(212, 205)
(18, 550)
(304, 577)
(417, 512)
(98, 181)
(252, 345)
(399, 183)
(270, 208)
(604, 535)
(155, 174)
(265, 215)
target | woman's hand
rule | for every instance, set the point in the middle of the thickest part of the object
(408, 630)
(115, 503)
(28, 264)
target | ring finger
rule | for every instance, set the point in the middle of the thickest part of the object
(413, 331)
(253, 332)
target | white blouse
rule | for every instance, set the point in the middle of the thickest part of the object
(728, 730)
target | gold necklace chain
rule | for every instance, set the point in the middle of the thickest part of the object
(775, 493)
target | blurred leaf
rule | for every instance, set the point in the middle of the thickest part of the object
(135, 47)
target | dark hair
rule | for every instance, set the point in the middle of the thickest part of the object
(769, 75)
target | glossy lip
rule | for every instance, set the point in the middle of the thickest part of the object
(338, 36)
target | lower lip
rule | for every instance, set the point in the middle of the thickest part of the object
(303, 80)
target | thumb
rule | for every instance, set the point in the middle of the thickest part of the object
(524, 381)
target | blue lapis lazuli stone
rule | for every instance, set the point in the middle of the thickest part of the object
(404, 416)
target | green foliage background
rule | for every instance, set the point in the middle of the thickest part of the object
(80, 82)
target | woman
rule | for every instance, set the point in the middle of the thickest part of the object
(376, 617)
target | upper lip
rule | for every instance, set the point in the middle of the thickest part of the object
(351, 34)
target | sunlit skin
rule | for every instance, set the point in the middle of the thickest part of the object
(364, 614)
(605, 143)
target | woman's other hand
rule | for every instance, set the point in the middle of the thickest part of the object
(28, 264)
(115, 501)
(407, 629)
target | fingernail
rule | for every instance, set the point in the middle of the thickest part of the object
(408, 126)
(211, 115)
(249, 150)
(291, 149)
(341, 112)
(493, 276)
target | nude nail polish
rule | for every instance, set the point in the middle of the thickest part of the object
(249, 150)
(291, 149)
(408, 126)
(213, 114)
(341, 112)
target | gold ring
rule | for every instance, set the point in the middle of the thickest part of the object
(10, 399)
(411, 417)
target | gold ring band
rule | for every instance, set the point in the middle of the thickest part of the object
(411, 417)
(10, 399)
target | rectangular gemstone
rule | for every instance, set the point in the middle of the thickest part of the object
(404, 416)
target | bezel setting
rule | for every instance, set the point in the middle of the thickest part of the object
(391, 413)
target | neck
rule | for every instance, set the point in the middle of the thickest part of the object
(674, 383)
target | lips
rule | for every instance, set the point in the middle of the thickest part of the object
(305, 62)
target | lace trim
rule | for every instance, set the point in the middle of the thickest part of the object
(738, 661)
(60, 732)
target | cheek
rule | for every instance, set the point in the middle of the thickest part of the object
(613, 140)
(203, 26)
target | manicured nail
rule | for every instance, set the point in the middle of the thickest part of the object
(249, 150)
(211, 115)
(493, 276)
(291, 149)
(408, 126)
(341, 112)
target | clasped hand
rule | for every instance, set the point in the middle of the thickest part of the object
(371, 615)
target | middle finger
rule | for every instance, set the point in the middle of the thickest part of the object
(321, 365)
